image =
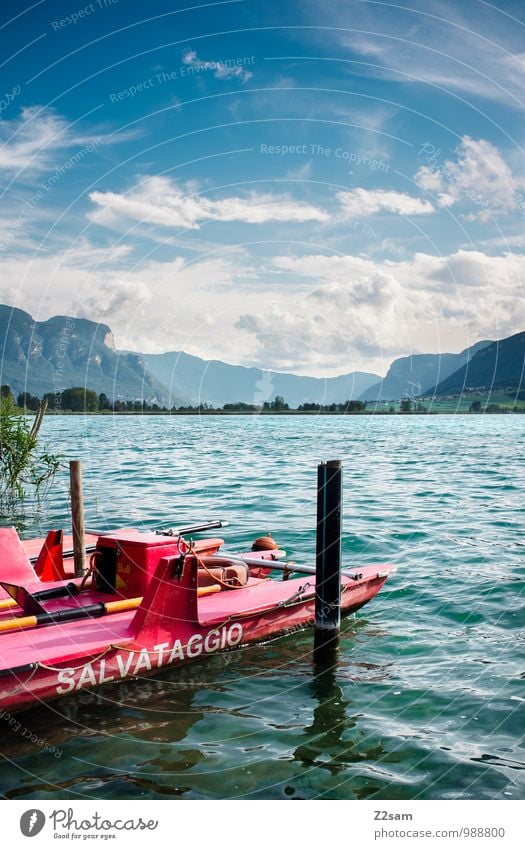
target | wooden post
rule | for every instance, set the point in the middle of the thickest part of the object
(328, 550)
(77, 516)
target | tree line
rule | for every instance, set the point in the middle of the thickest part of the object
(77, 399)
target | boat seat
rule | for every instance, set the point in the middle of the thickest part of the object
(13, 555)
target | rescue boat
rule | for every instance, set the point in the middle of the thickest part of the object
(149, 601)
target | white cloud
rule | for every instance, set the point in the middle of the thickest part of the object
(322, 313)
(445, 44)
(118, 298)
(159, 201)
(33, 142)
(288, 340)
(225, 69)
(359, 202)
(479, 175)
(425, 303)
(30, 141)
(429, 180)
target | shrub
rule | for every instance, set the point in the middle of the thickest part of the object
(22, 464)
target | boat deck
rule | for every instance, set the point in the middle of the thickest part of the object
(33, 547)
(72, 641)
(264, 594)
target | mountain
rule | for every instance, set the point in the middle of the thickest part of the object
(219, 383)
(499, 365)
(52, 355)
(411, 376)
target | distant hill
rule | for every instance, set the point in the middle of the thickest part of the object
(219, 383)
(499, 365)
(52, 355)
(411, 376)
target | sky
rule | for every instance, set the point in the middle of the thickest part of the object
(316, 187)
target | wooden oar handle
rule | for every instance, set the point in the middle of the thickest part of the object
(23, 623)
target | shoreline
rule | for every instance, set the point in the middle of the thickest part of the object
(278, 413)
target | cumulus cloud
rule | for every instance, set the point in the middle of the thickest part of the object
(118, 298)
(323, 313)
(291, 339)
(351, 315)
(478, 175)
(422, 303)
(376, 289)
(159, 201)
(226, 69)
(360, 202)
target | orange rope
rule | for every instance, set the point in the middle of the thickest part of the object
(222, 583)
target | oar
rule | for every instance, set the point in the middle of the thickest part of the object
(289, 566)
(90, 611)
(70, 589)
(193, 529)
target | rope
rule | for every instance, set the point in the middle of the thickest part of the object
(24, 684)
(89, 573)
(201, 565)
(75, 668)
(296, 598)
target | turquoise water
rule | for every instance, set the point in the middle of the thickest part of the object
(427, 698)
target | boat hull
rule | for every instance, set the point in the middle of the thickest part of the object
(188, 640)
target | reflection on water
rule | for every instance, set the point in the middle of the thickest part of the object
(324, 745)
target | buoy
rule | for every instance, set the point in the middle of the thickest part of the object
(266, 543)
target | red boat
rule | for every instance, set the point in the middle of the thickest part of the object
(149, 601)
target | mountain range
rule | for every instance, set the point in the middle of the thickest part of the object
(498, 365)
(52, 355)
(410, 377)
(219, 383)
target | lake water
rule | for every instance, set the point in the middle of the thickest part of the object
(427, 699)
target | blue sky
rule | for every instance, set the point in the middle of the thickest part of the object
(316, 187)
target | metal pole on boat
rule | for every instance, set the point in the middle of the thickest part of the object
(328, 550)
(77, 517)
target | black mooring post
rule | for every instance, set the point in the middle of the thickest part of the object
(328, 550)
